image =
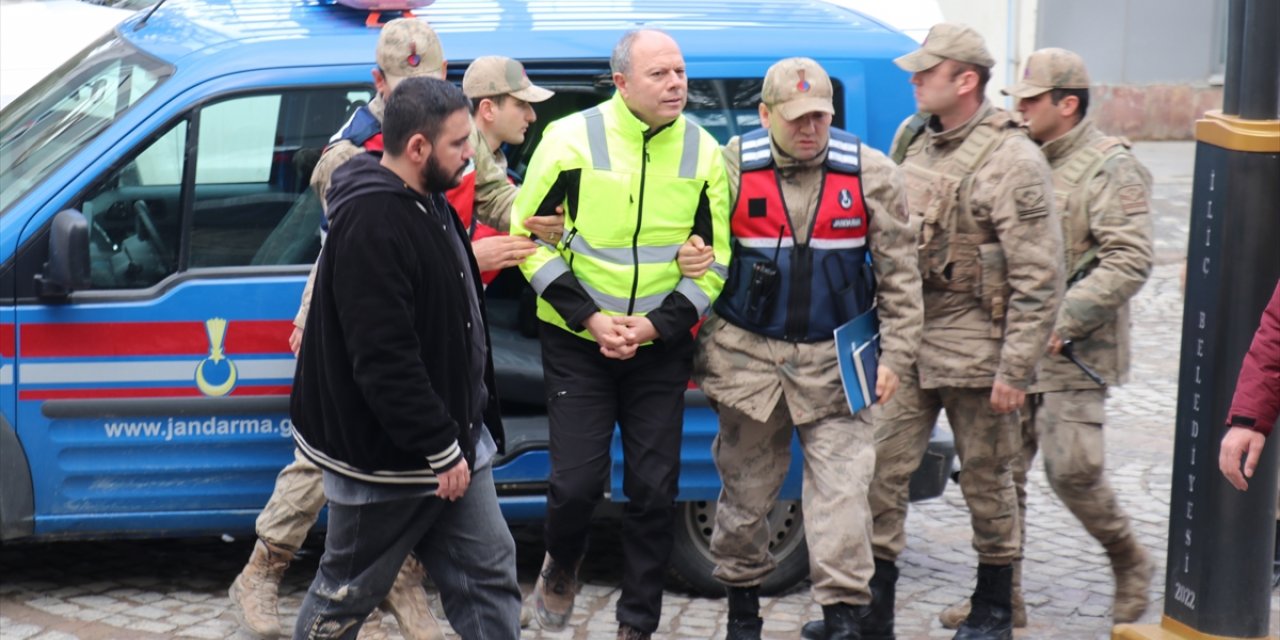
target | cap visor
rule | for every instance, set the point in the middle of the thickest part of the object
(793, 109)
(533, 93)
(918, 60)
(1024, 90)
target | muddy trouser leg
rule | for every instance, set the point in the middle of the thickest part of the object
(839, 458)
(1069, 427)
(471, 555)
(987, 444)
(752, 458)
(1023, 464)
(902, 431)
(294, 506)
(364, 548)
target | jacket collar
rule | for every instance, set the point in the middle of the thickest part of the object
(628, 121)
(1072, 141)
(958, 134)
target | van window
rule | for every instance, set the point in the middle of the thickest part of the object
(245, 201)
(69, 108)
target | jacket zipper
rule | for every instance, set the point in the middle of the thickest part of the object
(635, 238)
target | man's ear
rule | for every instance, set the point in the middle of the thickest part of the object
(418, 149)
(1069, 106)
(764, 116)
(380, 84)
(620, 81)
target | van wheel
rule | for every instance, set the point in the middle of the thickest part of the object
(691, 564)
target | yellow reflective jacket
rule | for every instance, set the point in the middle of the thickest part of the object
(631, 198)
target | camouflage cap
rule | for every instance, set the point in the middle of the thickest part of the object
(796, 86)
(497, 75)
(948, 40)
(1049, 69)
(407, 48)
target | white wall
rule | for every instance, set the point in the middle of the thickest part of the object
(991, 18)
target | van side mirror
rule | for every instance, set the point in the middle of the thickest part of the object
(68, 266)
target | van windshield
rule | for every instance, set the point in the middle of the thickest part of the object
(63, 112)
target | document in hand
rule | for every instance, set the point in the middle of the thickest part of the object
(858, 352)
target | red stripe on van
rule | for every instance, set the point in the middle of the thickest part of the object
(7, 347)
(157, 392)
(105, 339)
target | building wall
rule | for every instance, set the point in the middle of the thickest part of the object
(1155, 65)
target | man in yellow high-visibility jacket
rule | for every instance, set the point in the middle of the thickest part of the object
(636, 180)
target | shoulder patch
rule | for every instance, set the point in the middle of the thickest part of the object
(1133, 199)
(1030, 201)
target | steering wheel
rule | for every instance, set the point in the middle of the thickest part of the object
(142, 213)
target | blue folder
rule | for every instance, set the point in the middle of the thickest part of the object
(858, 352)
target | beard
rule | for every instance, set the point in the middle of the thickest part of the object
(437, 180)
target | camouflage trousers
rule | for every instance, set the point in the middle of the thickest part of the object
(1066, 427)
(294, 506)
(987, 444)
(753, 459)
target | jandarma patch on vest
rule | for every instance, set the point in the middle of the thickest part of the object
(846, 223)
(1030, 202)
(1133, 199)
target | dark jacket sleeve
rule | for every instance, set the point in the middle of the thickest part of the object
(1257, 399)
(374, 273)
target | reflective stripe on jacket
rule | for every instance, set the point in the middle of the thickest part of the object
(631, 198)
(822, 282)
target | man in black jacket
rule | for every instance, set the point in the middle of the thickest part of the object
(394, 393)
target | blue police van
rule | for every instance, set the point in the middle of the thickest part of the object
(156, 228)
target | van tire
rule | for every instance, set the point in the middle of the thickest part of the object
(691, 564)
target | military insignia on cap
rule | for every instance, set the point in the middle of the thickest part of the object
(846, 199)
(802, 85)
(414, 59)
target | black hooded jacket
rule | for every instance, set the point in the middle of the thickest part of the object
(380, 392)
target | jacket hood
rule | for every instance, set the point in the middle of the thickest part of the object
(364, 175)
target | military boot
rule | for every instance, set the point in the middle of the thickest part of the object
(952, 616)
(372, 627)
(627, 632)
(408, 602)
(254, 592)
(875, 621)
(553, 595)
(840, 622)
(1132, 567)
(744, 614)
(990, 615)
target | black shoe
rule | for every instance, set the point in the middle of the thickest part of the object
(991, 613)
(744, 614)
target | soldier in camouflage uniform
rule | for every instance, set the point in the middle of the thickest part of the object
(767, 377)
(990, 246)
(1101, 193)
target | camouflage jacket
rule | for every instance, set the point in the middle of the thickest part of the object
(1102, 193)
(751, 372)
(990, 251)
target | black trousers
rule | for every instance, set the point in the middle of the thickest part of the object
(587, 394)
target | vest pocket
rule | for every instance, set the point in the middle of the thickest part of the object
(992, 284)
